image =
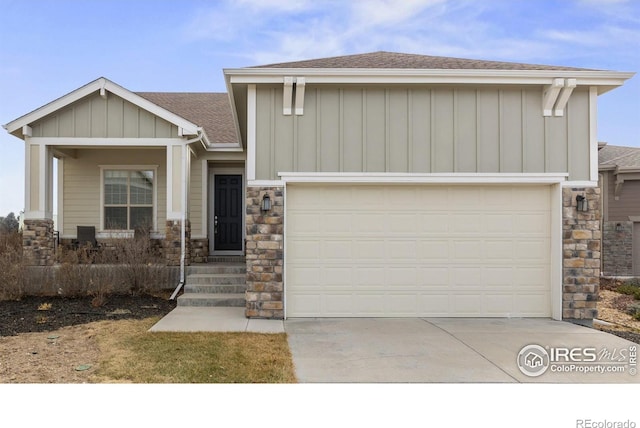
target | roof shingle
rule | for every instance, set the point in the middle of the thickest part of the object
(393, 60)
(619, 156)
(210, 110)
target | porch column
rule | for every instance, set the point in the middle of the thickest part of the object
(37, 236)
(178, 175)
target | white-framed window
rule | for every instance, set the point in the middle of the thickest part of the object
(128, 197)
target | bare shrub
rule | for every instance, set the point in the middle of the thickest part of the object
(11, 265)
(138, 261)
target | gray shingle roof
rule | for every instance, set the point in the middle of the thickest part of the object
(383, 59)
(619, 156)
(210, 110)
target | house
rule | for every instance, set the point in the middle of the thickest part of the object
(371, 185)
(620, 186)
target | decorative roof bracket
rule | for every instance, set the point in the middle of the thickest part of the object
(569, 86)
(550, 95)
(287, 94)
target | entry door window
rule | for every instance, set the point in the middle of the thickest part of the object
(228, 213)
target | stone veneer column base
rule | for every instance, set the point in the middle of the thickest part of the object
(38, 242)
(172, 242)
(265, 254)
(581, 256)
(199, 250)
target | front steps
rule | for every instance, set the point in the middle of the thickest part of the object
(218, 283)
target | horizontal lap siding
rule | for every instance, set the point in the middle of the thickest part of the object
(82, 184)
(421, 130)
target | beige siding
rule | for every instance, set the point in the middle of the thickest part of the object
(94, 116)
(195, 197)
(81, 183)
(422, 130)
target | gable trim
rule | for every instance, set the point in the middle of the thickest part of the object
(102, 85)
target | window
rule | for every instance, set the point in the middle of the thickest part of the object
(128, 199)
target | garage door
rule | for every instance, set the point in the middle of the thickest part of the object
(407, 251)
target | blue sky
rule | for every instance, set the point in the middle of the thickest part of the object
(51, 47)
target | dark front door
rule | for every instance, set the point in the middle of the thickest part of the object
(227, 218)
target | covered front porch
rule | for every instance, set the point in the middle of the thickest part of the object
(128, 162)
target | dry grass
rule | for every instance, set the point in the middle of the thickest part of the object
(129, 354)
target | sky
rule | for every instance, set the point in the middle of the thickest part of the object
(49, 48)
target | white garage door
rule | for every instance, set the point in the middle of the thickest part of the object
(407, 251)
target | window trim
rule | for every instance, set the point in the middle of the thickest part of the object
(103, 168)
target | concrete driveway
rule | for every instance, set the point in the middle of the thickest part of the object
(456, 350)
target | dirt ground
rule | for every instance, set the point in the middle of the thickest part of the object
(53, 340)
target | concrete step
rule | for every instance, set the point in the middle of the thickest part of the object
(209, 299)
(214, 288)
(216, 278)
(234, 268)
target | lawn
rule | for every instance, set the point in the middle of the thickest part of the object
(129, 353)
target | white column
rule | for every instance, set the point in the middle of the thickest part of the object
(38, 171)
(178, 167)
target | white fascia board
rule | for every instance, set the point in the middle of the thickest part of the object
(234, 113)
(107, 142)
(265, 183)
(580, 183)
(374, 75)
(435, 178)
(99, 85)
(55, 105)
(226, 147)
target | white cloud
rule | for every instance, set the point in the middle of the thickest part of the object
(274, 31)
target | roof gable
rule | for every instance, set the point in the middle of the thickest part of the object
(101, 85)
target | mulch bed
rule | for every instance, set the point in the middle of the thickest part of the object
(630, 336)
(39, 314)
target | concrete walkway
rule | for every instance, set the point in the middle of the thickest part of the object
(214, 319)
(419, 350)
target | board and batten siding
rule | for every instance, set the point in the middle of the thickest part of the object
(94, 116)
(421, 130)
(81, 183)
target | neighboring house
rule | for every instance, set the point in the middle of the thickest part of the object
(620, 183)
(371, 185)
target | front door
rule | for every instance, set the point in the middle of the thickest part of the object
(227, 220)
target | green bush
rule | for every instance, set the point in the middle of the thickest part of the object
(629, 289)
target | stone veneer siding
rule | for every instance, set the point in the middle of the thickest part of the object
(172, 246)
(38, 246)
(617, 248)
(199, 250)
(265, 254)
(581, 256)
